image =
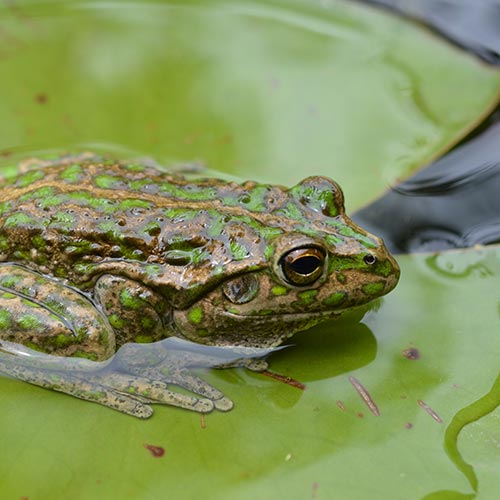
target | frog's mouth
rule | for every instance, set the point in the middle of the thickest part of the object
(285, 316)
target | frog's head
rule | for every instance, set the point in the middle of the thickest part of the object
(321, 265)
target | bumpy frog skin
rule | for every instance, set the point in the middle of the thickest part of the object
(96, 254)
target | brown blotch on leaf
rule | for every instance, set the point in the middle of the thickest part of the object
(408, 425)
(41, 98)
(156, 451)
(411, 353)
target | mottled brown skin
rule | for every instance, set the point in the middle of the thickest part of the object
(96, 254)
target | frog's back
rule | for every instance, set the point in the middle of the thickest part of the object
(64, 215)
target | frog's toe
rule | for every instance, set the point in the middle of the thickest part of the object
(157, 395)
(223, 404)
(151, 391)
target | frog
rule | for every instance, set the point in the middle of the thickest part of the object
(99, 256)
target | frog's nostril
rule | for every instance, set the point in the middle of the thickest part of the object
(370, 259)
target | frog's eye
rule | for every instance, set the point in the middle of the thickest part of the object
(303, 266)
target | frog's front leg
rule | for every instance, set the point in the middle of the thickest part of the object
(136, 313)
(139, 315)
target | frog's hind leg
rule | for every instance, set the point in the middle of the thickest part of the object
(75, 384)
(49, 316)
(77, 377)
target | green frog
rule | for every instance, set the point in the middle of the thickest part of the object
(96, 254)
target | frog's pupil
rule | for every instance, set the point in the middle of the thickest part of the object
(305, 265)
(370, 259)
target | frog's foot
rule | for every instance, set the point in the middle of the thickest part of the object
(135, 360)
(182, 377)
(126, 393)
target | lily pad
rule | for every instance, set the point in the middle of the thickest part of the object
(402, 403)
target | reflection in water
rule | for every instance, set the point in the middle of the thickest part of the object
(471, 263)
(137, 376)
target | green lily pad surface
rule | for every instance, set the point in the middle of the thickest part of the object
(401, 405)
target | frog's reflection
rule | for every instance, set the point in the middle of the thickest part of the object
(143, 374)
(322, 352)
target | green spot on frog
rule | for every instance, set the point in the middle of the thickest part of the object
(71, 174)
(106, 181)
(63, 340)
(112, 228)
(340, 277)
(81, 247)
(269, 252)
(92, 357)
(4, 243)
(19, 219)
(147, 322)
(30, 322)
(143, 339)
(383, 268)
(195, 315)
(10, 281)
(292, 211)
(320, 198)
(192, 192)
(255, 199)
(129, 203)
(373, 288)
(38, 242)
(335, 299)
(264, 312)
(22, 254)
(333, 240)
(5, 319)
(5, 206)
(29, 178)
(346, 262)
(63, 221)
(137, 185)
(134, 167)
(366, 241)
(238, 251)
(153, 270)
(116, 321)
(83, 269)
(129, 300)
(307, 296)
(279, 290)
(152, 228)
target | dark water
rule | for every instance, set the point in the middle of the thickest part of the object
(453, 202)
(471, 24)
